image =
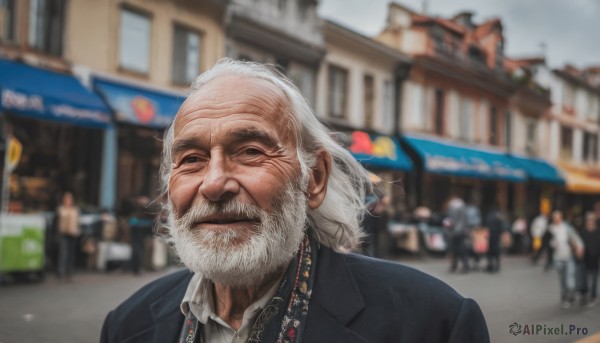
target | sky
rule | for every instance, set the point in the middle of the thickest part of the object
(568, 31)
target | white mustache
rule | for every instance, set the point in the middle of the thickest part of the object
(233, 209)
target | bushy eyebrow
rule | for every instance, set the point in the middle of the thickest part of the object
(238, 136)
(251, 134)
(184, 144)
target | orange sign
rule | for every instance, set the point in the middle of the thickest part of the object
(382, 146)
(143, 109)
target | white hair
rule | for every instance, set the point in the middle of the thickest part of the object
(336, 222)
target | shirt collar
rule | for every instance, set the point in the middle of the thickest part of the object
(198, 300)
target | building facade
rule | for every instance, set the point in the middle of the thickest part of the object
(455, 114)
(285, 33)
(357, 94)
(139, 56)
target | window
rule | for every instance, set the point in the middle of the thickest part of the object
(493, 126)
(304, 79)
(465, 116)
(438, 112)
(437, 36)
(46, 22)
(186, 55)
(500, 55)
(477, 56)
(369, 100)
(590, 147)
(566, 142)
(530, 139)
(568, 98)
(7, 20)
(134, 47)
(338, 91)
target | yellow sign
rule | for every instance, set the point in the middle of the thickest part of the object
(13, 153)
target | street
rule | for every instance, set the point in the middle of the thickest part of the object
(73, 312)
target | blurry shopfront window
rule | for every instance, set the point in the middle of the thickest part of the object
(134, 45)
(566, 142)
(46, 24)
(338, 92)
(7, 20)
(186, 55)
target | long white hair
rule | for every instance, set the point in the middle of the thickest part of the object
(336, 223)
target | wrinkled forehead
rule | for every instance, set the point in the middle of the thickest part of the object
(232, 96)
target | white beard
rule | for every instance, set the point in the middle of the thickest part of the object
(235, 258)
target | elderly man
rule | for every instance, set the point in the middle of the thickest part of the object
(263, 207)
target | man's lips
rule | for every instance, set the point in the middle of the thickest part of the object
(225, 220)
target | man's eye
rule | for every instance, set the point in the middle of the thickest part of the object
(190, 159)
(252, 152)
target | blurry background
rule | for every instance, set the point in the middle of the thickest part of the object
(494, 102)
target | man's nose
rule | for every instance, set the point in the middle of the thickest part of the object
(218, 183)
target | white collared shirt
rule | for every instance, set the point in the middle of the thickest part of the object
(199, 301)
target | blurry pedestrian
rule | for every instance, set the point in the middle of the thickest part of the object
(497, 225)
(473, 222)
(373, 222)
(567, 244)
(141, 224)
(539, 227)
(591, 259)
(519, 234)
(68, 230)
(456, 224)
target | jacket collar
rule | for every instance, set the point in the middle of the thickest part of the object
(167, 319)
(336, 300)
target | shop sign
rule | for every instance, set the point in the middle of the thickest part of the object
(22, 102)
(381, 146)
(471, 166)
(17, 101)
(143, 108)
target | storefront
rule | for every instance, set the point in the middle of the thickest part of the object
(545, 183)
(52, 130)
(582, 189)
(446, 169)
(383, 156)
(142, 114)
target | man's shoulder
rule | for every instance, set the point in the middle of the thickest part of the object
(153, 291)
(401, 302)
(392, 278)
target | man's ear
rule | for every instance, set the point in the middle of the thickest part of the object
(318, 178)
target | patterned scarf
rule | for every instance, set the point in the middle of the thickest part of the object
(277, 322)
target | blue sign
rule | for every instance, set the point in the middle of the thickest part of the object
(450, 159)
(140, 106)
(49, 95)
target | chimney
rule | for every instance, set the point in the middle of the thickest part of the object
(464, 18)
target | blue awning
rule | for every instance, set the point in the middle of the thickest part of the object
(379, 151)
(452, 159)
(137, 105)
(539, 170)
(45, 94)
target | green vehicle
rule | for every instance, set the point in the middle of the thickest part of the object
(22, 245)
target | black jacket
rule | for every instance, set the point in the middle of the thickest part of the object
(354, 299)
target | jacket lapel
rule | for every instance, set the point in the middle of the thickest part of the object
(336, 300)
(167, 319)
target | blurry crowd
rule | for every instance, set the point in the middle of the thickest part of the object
(103, 241)
(475, 240)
